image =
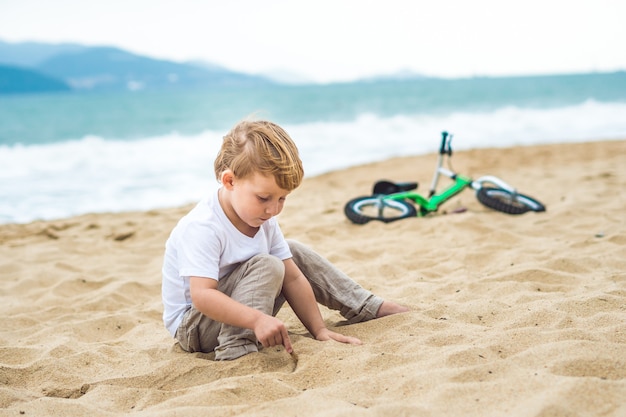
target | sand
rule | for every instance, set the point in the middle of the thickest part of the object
(510, 315)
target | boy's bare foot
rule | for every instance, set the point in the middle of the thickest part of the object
(388, 308)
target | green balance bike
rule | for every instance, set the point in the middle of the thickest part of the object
(391, 201)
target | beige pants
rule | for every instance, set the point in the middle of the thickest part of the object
(257, 283)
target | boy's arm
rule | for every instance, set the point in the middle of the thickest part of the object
(219, 307)
(300, 297)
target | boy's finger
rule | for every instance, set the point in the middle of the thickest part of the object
(347, 339)
(354, 341)
(286, 341)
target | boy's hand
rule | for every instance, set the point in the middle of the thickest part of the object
(326, 334)
(272, 332)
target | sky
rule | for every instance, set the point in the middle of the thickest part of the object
(341, 40)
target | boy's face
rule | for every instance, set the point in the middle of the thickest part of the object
(255, 199)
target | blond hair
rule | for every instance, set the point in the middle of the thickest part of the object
(260, 147)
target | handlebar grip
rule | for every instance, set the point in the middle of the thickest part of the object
(444, 137)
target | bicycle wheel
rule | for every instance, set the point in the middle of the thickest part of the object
(504, 201)
(361, 210)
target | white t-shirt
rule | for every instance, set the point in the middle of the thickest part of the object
(205, 243)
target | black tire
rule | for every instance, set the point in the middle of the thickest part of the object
(361, 210)
(504, 201)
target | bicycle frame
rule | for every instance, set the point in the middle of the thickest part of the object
(435, 200)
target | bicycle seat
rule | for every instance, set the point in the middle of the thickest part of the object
(388, 187)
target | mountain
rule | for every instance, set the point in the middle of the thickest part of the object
(30, 54)
(113, 68)
(15, 80)
(109, 68)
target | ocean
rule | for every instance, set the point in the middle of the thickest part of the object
(73, 153)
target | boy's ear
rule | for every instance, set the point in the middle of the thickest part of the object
(228, 179)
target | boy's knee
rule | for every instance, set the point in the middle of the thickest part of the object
(270, 264)
(269, 272)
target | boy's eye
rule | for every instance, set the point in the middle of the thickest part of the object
(266, 199)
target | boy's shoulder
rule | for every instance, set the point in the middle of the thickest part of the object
(203, 214)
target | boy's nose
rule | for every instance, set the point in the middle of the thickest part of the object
(272, 209)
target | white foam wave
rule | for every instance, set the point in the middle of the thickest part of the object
(98, 175)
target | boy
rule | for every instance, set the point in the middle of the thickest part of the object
(228, 269)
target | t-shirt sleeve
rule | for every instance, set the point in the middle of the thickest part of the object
(278, 244)
(199, 251)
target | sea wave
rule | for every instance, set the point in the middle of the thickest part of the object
(96, 174)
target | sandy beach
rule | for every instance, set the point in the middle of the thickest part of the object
(510, 315)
